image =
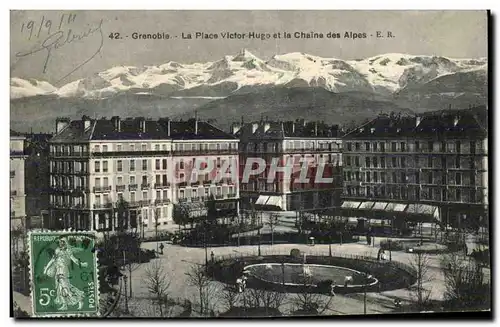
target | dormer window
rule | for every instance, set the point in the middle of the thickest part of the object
(399, 130)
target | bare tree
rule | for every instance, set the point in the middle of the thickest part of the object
(272, 223)
(229, 296)
(157, 283)
(420, 263)
(258, 298)
(197, 277)
(466, 286)
(307, 301)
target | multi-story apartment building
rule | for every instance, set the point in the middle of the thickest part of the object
(17, 178)
(289, 143)
(434, 164)
(97, 162)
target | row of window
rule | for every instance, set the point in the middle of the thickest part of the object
(404, 162)
(69, 149)
(416, 146)
(160, 164)
(466, 179)
(426, 193)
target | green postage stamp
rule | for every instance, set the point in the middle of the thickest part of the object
(64, 274)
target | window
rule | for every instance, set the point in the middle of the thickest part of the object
(145, 195)
(394, 147)
(158, 179)
(348, 161)
(358, 146)
(98, 200)
(382, 177)
(105, 166)
(368, 177)
(403, 177)
(181, 164)
(97, 148)
(429, 162)
(375, 177)
(356, 161)
(181, 194)
(458, 179)
(104, 148)
(132, 196)
(157, 164)
(375, 146)
(119, 165)
(132, 179)
(158, 195)
(357, 176)
(403, 146)
(97, 166)
(105, 182)
(367, 161)
(132, 147)
(97, 182)
(417, 146)
(375, 162)
(143, 147)
(349, 146)
(394, 162)
(119, 180)
(394, 178)
(403, 162)
(430, 146)
(218, 162)
(367, 146)
(164, 164)
(144, 180)
(429, 178)
(459, 195)
(417, 177)
(144, 164)
(157, 147)
(382, 162)
(119, 147)
(132, 165)
(382, 146)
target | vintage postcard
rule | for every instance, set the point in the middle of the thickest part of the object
(187, 164)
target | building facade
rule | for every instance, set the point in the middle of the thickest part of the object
(291, 143)
(433, 161)
(146, 164)
(17, 179)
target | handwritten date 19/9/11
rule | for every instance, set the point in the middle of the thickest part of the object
(44, 26)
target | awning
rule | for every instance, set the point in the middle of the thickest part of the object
(379, 205)
(274, 201)
(395, 207)
(423, 209)
(350, 204)
(366, 205)
(262, 199)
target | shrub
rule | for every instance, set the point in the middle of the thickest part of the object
(392, 245)
(295, 253)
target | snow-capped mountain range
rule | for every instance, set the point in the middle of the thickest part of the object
(384, 74)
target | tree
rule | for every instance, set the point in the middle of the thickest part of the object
(420, 263)
(259, 298)
(157, 283)
(272, 223)
(229, 296)
(307, 301)
(197, 277)
(466, 286)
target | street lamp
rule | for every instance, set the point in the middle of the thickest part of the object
(366, 281)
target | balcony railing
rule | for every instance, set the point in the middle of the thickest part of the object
(231, 195)
(100, 189)
(145, 186)
(203, 152)
(183, 200)
(219, 196)
(103, 205)
(70, 154)
(145, 203)
(134, 204)
(162, 185)
(120, 188)
(132, 187)
(162, 201)
(195, 199)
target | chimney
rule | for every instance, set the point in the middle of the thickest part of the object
(235, 128)
(142, 124)
(266, 126)
(195, 122)
(372, 130)
(254, 127)
(418, 119)
(61, 123)
(116, 123)
(86, 121)
(455, 120)
(316, 128)
(168, 126)
(293, 127)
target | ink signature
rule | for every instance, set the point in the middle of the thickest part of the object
(59, 39)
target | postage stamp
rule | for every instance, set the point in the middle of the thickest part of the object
(64, 274)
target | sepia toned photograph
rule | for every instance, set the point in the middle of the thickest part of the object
(249, 164)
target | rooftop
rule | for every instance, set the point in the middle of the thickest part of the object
(138, 128)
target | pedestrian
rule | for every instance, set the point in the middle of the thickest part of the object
(212, 256)
(161, 248)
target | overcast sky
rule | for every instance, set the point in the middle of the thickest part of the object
(461, 34)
